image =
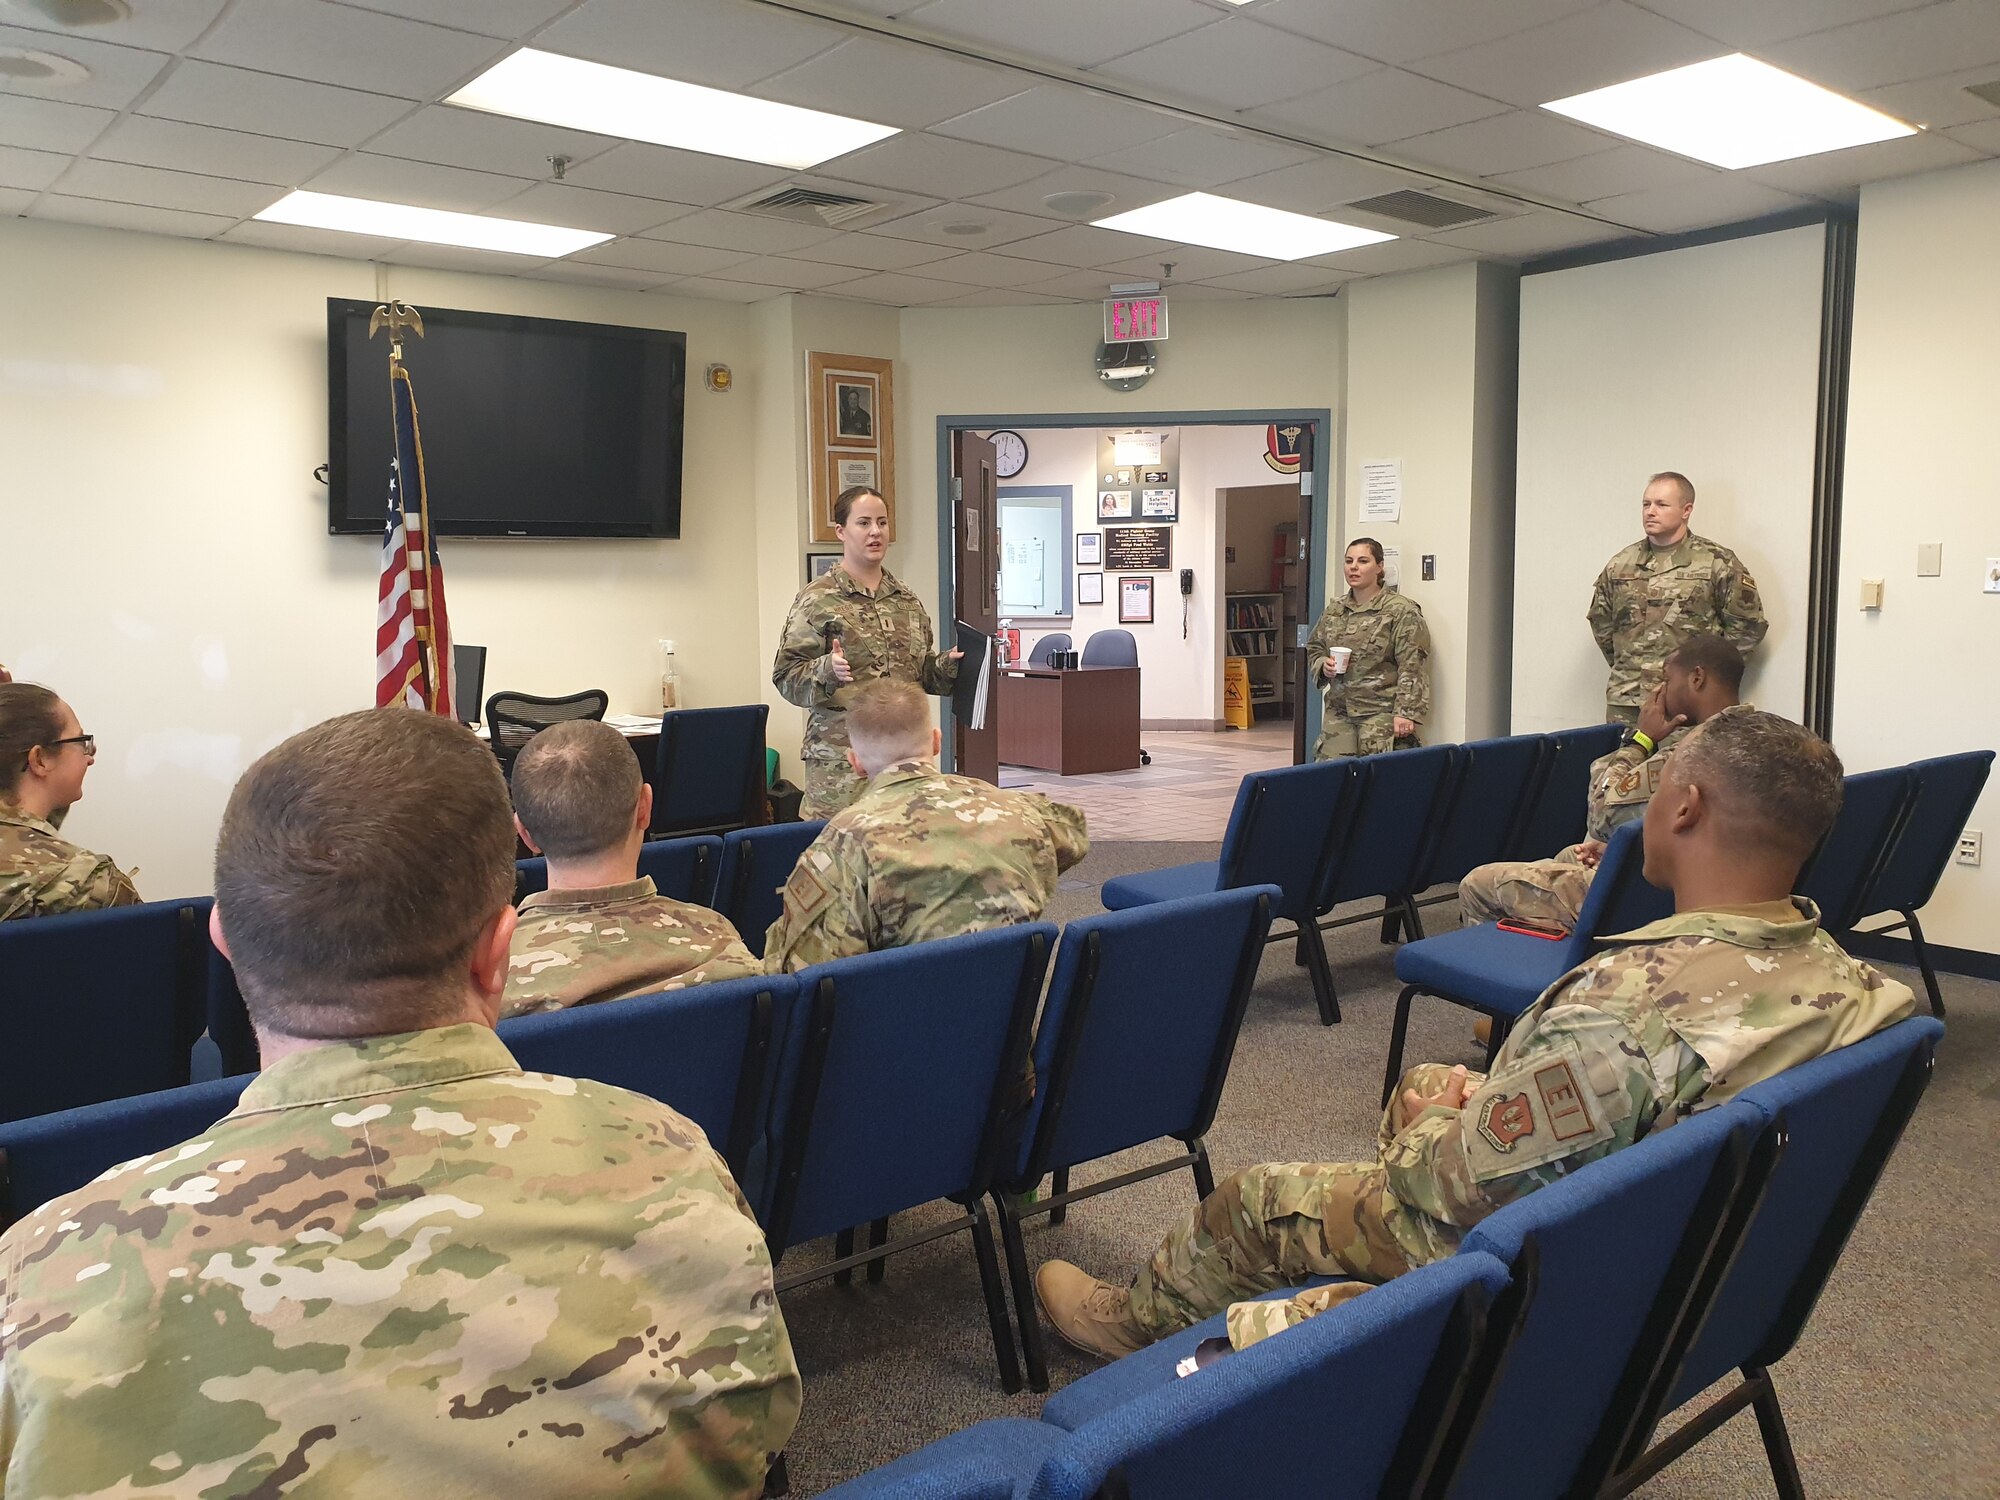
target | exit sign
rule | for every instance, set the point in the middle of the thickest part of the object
(1130, 320)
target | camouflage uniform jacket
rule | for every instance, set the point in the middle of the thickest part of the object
(574, 947)
(922, 855)
(1623, 782)
(401, 1266)
(1691, 1010)
(1649, 599)
(883, 634)
(1390, 670)
(43, 875)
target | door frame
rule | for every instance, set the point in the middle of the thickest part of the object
(1317, 480)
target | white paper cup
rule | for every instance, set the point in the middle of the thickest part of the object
(1340, 656)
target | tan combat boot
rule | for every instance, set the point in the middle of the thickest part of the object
(1086, 1313)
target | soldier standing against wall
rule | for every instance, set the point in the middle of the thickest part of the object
(1371, 655)
(1664, 588)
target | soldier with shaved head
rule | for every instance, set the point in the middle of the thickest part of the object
(401, 1266)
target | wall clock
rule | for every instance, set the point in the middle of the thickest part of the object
(1010, 452)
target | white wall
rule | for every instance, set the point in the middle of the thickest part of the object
(1916, 679)
(1704, 360)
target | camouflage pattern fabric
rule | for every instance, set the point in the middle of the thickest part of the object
(1389, 674)
(883, 634)
(400, 1267)
(1527, 890)
(922, 855)
(44, 875)
(576, 947)
(1684, 1014)
(1649, 599)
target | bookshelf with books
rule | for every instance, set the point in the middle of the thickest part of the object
(1253, 628)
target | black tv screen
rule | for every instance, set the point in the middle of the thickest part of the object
(530, 426)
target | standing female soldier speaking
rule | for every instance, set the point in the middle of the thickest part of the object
(1370, 654)
(855, 623)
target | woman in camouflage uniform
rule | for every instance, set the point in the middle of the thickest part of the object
(44, 755)
(1382, 696)
(855, 623)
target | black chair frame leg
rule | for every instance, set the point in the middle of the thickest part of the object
(1058, 1185)
(1204, 1175)
(1413, 922)
(996, 1298)
(1324, 993)
(1924, 963)
(878, 1236)
(1034, 1346)
(843, 1246)
(1398, 1033)
(777, 1479)
(1777, 1441)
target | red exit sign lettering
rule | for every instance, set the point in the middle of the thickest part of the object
(1129, 320)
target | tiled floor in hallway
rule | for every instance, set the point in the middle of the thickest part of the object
(1187, 791)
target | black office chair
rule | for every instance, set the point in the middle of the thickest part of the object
(468, 670)
(708, 773)
(1114, 648)
(512, 719)
(1047, 647)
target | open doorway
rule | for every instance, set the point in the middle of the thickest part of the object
(1262, 606)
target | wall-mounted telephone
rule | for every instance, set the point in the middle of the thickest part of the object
(1187, 580)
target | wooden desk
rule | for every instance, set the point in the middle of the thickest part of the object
(1072, 722)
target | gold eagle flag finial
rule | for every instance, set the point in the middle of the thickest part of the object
(396, 317)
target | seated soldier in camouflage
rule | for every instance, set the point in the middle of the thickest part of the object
(1703, 676)
(1738, 985)
(601, 931)
(44, 754)
(401, 1266)
(921, 854)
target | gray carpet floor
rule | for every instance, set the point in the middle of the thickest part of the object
(1893, 1392)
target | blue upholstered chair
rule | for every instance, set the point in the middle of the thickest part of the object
(1501, 974)
(1177, 972)
(1047, 647)
(708, 770)
(49, 1155)
(1489, 808)
(705, 1051)
(1110, 648)
(1873, 807)
(896, 1076)
(1562, 801)
(750, 881)
(1841, 1116)
(1283, 831)
(1390, 832)
(683, 868)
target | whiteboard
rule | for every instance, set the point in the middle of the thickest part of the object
(1704, 360)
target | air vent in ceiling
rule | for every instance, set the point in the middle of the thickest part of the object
(805, 205)
(1990, 92)
(1424, 209)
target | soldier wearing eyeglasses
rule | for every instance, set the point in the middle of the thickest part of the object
(44, 754)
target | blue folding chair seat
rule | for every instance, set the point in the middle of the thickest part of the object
(708, 770)
(1873, 805)
(683, 869)
(750, 878)
(1561, 806)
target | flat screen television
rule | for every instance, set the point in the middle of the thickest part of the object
(530, 426)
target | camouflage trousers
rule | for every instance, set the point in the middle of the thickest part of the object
(1341, 737)
(1274, 1226)
(830, 785)
(1534, 890)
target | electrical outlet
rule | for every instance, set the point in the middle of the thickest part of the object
(1968, 847)
(1430, 566)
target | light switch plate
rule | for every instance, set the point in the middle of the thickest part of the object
(1993, 575)
(1930, 559)
(1871, 593)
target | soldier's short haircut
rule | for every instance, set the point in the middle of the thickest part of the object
(888, 720)
(575, 786)
(356, 865)
(1771, 781)
(1686, 484)
(1714, 654)
(30, 715)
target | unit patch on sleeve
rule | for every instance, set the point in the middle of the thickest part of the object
(1538, 1111)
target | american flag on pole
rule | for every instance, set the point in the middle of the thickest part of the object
(412, 632)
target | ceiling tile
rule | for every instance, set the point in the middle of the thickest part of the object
(136, 216)
(982, 269)
(1237, 63)
(304, 241)
(586, 208)
(1396, 31)
(659, 256)
(1725, 198)
(900, 289)
(1060, 120)
(611, 276)
(1394, 256)
(758, 234)
(942, 226)
(1912, 44)
(1981, 135)
(1204, 156)
(264, 104)
(1506, 143)
(14, 201)
(118, 75)
(1746, 26)
(932, 164)
(1316, 187)
(1384, 105)
(1936, 102)
(1622, 169)
(1838, 173)
(164, 25)
(725, 44)
(719, 291)
(501, 18)
(390, 179)
(33, 170)
(783, 271)
(1078, 286)
(460, 258)
(121, 183)
(1190, 262)
(1208, 291)
(930, 85)
(1532, 235)
(873, 252)
(50, 125)
(1063, 30)
(218, 153)
(1003, 297)
(1126, 192)
(337, 44)
(1609, 43)
(485, 142)
(649, 171)
(1085, 246)
(1284, 281)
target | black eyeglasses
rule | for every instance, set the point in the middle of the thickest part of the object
(88, 741)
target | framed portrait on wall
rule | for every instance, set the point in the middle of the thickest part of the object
(1090, 588)
(1089, 547)
(819, 564)
(1135, 601)
(850, 432)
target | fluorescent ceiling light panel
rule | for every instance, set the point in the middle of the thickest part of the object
(432, 226)
(579, 95)
(1247, 228)
(1732, 112)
